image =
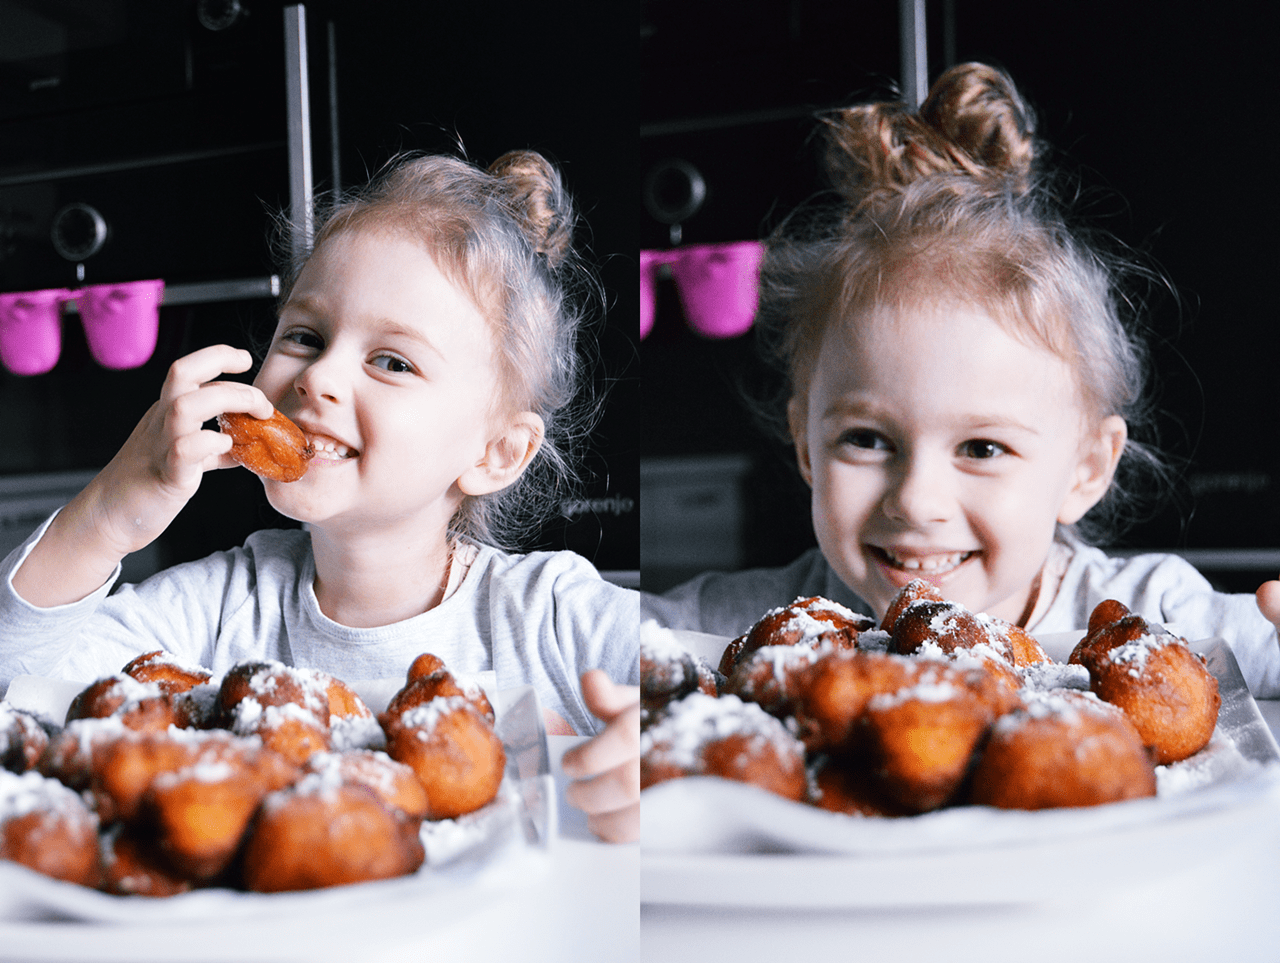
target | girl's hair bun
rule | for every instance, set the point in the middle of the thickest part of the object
(535, 192)
(973, 122)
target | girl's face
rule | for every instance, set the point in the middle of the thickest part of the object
(940, 447)
(389, 369)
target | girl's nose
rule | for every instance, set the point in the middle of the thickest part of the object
(321, 380)
(920, 492)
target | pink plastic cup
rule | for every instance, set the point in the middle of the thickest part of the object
(31, 330)
(121, 321)
(719, 286)
(649, 262)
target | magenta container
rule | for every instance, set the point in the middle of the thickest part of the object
(718, 284)
(31, 330)
(121, 321)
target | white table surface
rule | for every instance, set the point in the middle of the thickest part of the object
(1226, 910)
(581, 902)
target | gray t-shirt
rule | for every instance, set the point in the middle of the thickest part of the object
(1160, 588)
(540, 619)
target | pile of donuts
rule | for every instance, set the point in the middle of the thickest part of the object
(163, 779)
(936, 706)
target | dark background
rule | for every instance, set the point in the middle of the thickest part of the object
(556, 77)
(1162, 113)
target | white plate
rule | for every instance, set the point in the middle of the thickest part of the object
(713, 842)
(496, 845)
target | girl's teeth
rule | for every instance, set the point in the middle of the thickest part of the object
(332, 448)
(931, 564)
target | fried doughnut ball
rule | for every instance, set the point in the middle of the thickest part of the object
(70, 755)
(170, 674)
(914, 591)
(438, 684)
(273, 447)
(842, 788)
(802, 622)
(139, 705)
(286, 706)
(199, 813)
(453, 750)
(47, 827)
(771, 677)
(344, 701)
(1066, 748)
(668, 672)
(1165, 689)
(319, 833)
(921, 740)
(725, 737)
(950, 626)
(834, 690)
(392, 782)
(23, 739)
(133, 866)
(424, 664)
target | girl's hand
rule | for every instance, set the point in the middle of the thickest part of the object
(606, 768)
(1268, 596)
(140, 491)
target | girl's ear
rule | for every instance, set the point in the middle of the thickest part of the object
(798, 424)
(506, 456)
(1098, 460)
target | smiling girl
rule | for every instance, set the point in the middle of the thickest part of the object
(960, 387)
(427, 350)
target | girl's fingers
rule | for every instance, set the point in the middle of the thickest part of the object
(618, 744)
(604, 698)
(619, 826)
(189, 411)
(191, 371)
(614, 789)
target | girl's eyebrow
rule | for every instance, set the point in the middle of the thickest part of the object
(394, 329)
(847, 407)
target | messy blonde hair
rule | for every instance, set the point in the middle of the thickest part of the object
(504, 235)
(950, 204)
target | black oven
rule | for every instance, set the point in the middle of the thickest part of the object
(145, 139)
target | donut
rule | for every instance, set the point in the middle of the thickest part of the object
(273, 448)
(668, 672)
(394, 783)
(832, 692)
(164, 669)
(920, 740)
(200, 812)
(324, 832)
(23, 738)
(453, 750)
(916, 590)
(725, 737)
(133, 866)
(842, 788)
(771, 677)
(47, 827)
(1164, 688)
(142, 706)
(438, 684)
(70, 755)
(802, 622)
(424, 664)
(1065, 748)
(287, 707)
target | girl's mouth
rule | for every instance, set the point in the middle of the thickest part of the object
(930, 565)
(326, 449)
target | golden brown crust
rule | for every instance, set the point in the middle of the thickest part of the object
(272, 447)
(304, 840)
(161, 668)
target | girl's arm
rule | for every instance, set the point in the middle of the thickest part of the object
(140, 491)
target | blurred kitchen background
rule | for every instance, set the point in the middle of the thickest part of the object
(1162, 107)
(158, 139)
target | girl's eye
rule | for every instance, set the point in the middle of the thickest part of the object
(304, 338)
(864, 438)
(982, 448)
(392, 363)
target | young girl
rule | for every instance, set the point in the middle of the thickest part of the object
(427, 350)
(959, 390)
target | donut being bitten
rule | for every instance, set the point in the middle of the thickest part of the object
(273, 448)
